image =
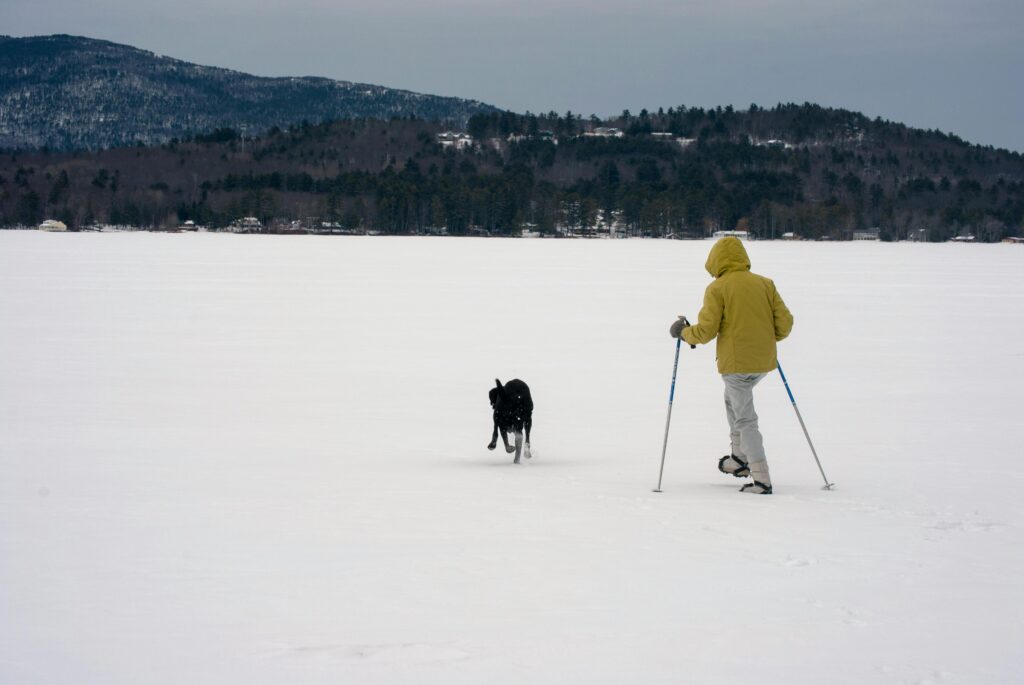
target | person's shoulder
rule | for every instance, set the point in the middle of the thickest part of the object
(715, 288)
(762, 279)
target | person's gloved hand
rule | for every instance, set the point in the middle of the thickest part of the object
(676, 329)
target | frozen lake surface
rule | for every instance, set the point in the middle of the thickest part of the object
(261, 459)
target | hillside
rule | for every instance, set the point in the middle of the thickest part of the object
(801, 169)
(66, 92)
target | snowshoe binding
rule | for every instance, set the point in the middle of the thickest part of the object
(731, 465)
(757, 488)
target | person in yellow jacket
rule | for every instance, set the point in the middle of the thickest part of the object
(747, 315)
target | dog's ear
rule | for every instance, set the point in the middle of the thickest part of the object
(497, 383)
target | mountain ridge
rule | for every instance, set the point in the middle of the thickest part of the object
(66, 92)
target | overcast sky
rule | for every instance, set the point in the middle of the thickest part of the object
(954, 65)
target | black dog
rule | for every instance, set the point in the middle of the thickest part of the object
(513, 412)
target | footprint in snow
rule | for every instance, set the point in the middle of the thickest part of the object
(965, 526)
(406, 653)
(855, 617)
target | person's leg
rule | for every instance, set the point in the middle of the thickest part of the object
(739, 392)
(734, 463)
(734, 431)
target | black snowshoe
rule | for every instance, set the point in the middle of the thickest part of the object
(731, 465)
(757, 488)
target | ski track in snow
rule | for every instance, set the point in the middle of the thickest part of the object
(381, 654)
(262, 459)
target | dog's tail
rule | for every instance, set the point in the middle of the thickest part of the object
(497, 383)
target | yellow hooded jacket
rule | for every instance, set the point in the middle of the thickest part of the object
(743, 310)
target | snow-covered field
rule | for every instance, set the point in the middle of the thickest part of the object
(262, 459)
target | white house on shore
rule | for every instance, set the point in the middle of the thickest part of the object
(248, 224)
(53, 225)
(459, 141)
(742, 235)
(873, 233)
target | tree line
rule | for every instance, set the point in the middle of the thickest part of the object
(806, 170)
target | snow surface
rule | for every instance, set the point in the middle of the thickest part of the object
(261, 459)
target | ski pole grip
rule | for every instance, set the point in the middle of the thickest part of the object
(686, 322)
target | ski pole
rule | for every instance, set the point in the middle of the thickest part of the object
(828, 486)
(668, 420)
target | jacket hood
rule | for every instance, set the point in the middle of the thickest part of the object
(728, 254)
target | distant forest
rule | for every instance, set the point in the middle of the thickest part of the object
(686, 172)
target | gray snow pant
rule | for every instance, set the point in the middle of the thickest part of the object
(739, 409)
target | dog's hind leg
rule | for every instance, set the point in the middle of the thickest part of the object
(528, 424)
(519, 445)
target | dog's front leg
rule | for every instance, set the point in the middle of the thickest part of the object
(528, 424)
(509, 449)
(494, 437)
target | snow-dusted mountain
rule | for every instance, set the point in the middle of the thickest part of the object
(71, 92)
